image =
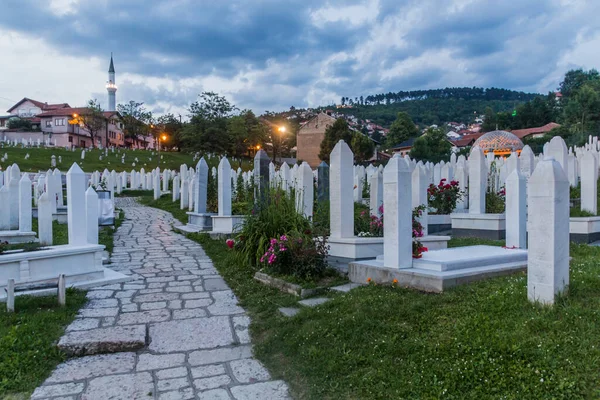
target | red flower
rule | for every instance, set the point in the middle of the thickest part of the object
(230, 243)
(424, 249)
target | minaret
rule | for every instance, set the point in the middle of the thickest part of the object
(111, 87)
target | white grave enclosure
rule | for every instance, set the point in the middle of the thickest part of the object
(80, 260)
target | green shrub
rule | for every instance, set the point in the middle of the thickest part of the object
(300, 257)
(442, 198)
(268, 220)
(495, 202)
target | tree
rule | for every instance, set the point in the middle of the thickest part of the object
(333, 134)
(576, 78)
(489, 120)
(92, 119)
(172, 128)
(431, 146)
(18, 123)
(402, 129)
(135, 118)
(362, 147)
(582, 107)
(245, 131)
(207, 129)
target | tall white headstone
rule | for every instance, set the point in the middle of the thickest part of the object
(4, 211)
(201, 188)
(76, 184)
(44, 220)
(340, 191)
(224, 187)
(548, 253)
(589, 183)
(420, 184)
(477, 181)
(305, 191)
(397, 201)
(91, 215)
(25, 198)
(516, 210)
(184, 196)
(376, 193)
(13, 187)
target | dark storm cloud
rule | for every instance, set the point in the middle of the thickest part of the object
(280, 51)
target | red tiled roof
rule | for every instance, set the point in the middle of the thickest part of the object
(522, 133)
(42, 106)
(63, 112)
(466, 140)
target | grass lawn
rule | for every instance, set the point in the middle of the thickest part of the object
(39, 159)
(28, 337)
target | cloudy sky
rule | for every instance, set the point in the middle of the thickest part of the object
(271, 54)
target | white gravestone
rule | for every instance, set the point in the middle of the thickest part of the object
(397, 201)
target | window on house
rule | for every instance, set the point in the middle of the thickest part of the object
(48, 124)
(70, 139)
(59, 122)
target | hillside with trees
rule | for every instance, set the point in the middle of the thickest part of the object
(435, 106)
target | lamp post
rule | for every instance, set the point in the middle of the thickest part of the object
(281, 131)
(161, 137)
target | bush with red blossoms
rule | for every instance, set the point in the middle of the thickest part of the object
(297, 256)
(442, 198)
(417, 232)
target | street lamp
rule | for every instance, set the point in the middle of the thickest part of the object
(281, 130)
(162, 137)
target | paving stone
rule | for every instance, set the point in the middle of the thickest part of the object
(289, 311)
(63, 389)
(179, 289)
(189, 313)
(99, 294)
(147, 298)
(103, 340)
(240, 326)
(153, 306)
(92, 366)
(195, 295)
(314, 302)
(197, 303)
(144, 317)
(125, 293)
(135, 386)
(102, 303)
(215, 356)
(107, 321)
(208, 370)
(129, 308)
(172, 384)
(83, 324)
(183, 394)
(190, 334)
(249, 371)
(225, 304)
(274, 390)
(116, 286)
(171, 373)
(216, 394)
(346, 288)
(147, 362)
(174, 304)
(212, 382)
(215, 284)
(98, 312)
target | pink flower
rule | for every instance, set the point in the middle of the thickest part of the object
(230, 243)
(283, 237)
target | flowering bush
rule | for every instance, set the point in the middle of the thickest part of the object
(298, 256)
(367, 225)
(442, 198)
(495, 202)
(417, 232)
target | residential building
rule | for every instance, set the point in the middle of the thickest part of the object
(309, 138)
(535, 132)
(29, 109)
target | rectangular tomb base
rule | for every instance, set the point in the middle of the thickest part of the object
(442, 269)
(227, 224)
(438, 223)
(484, 226)
(354, 248)
(584, 229)
(13, 237)
(202, 221)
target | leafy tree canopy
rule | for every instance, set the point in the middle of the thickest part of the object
(431, 146)
(333, 134)
(401, 130)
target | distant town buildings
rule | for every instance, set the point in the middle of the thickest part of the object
(310, 136)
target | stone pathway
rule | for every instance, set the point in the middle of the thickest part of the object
(174, 332)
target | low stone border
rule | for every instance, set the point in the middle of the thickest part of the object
(287, 287)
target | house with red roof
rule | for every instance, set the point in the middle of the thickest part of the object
(535, 132)
(28, 109)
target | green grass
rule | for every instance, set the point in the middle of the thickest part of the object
(39, 159)
(28, 338)
(576, 212)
